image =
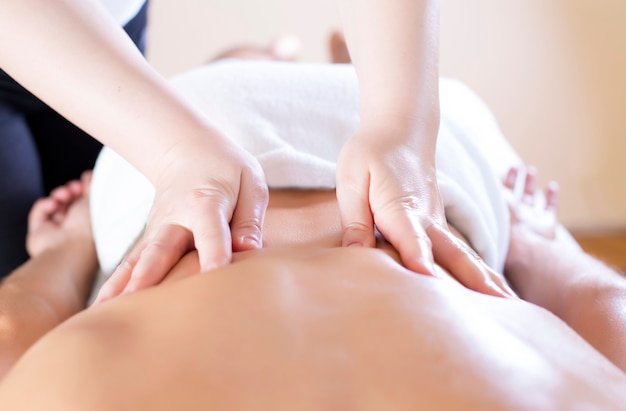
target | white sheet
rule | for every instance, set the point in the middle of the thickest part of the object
(294, 118)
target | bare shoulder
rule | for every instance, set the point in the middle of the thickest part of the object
(290, 328)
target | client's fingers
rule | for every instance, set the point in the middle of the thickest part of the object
(511, 178)
(464, 265)
(552, 196)
(41, 212)
(63, 196)
(530, 185)
(85, 180)
(247, 223)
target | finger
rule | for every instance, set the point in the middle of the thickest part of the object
(116, 283)
(464, 265)
(511, 178)
(417, 254)
(41, 211)
(406, 234)
(211, 232)
(357, 221)
(498, 279)
(530, 186)
(246, 226)
(76, 189)
(552, 196)
(160, 254)
(62, 194)
(85, 179)
(65, 196)
(59, 216)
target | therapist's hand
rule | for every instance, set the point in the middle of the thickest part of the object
(210, 196)
(384, 182)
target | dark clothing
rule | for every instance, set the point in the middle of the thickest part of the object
(39, 150)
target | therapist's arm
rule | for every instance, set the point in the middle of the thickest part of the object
(386, 174)
(55, 283)
(210, 194)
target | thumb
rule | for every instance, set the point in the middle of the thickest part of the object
(247, 223)
(357, 221)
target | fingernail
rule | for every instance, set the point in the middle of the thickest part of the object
(433, 269)
(510, 292)
(355, 244)
(500, 290)
(437, 275)
(251, 241)
(100, 298)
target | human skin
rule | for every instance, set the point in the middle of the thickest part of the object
(55, 283)
(305, 324)
(210, 195)
(589, 296)
(416, 217)
(386, 170)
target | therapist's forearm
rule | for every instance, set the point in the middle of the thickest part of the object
(394, 46)
(72, 55)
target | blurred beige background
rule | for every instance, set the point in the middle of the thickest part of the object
(553, 72)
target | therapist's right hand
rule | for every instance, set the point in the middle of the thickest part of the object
(211, 196)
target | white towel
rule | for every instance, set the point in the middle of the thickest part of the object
(295, 118)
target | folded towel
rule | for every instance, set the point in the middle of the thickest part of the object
(295, 118)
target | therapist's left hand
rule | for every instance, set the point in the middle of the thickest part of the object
(384, 182)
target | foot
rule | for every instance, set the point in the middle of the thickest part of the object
(531, 220)
(61, 218)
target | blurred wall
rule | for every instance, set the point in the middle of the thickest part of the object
(553, 71)
(185, 33)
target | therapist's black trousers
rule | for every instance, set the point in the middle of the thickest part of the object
(39, 150)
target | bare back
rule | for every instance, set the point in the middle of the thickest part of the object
(310, 326)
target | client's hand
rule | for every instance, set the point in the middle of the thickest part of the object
(527, 214)
(61, 218)
(530, 219)
(385, 183)
(201, 189)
